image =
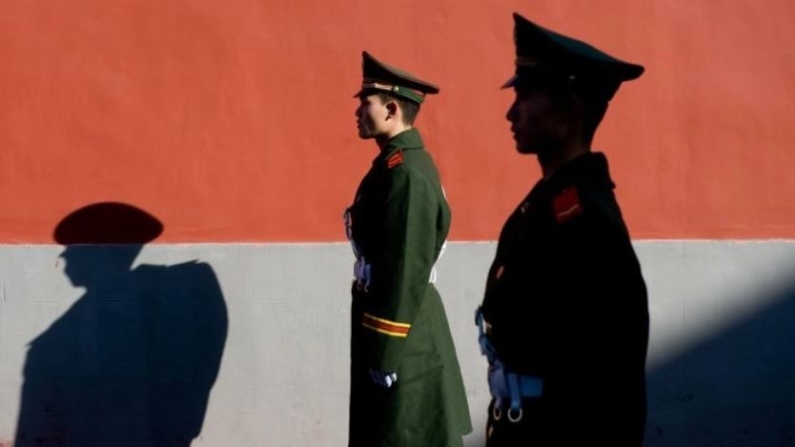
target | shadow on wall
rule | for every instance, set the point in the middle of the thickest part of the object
(736, 389)
(133, 361)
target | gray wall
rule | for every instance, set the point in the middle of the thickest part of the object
(720, 369)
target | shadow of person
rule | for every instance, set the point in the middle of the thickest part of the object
(735, 388)
(133, 361)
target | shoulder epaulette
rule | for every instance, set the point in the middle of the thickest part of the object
(566, 204)
(394, 159)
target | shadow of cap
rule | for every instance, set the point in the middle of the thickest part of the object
(108, 223)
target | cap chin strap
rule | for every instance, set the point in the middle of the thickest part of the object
(405, 92)
(526, 62)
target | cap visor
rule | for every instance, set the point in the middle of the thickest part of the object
(510, 82)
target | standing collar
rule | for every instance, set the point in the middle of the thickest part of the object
(408, 139)
(590, 168)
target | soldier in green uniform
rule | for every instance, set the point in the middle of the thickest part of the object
(564, 321)
(406, 385)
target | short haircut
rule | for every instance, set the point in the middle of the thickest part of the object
(409, 108)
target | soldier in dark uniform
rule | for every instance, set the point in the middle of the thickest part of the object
(564, 321)
(406, 384)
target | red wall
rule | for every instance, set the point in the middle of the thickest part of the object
(232, 120)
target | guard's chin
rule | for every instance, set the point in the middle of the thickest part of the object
(525, 149)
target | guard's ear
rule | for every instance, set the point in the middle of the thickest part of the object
(577, 105)
(571, 107)
(392, 109)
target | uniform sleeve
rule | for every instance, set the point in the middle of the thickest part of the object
(596, 374)
(401, 271)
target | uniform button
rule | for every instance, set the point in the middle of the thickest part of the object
(499, 272)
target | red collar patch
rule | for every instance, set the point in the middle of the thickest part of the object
(394, 159)
(566, 204)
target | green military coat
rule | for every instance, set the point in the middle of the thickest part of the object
(565, 301)
(398, 223)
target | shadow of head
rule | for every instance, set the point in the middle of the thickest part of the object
(103, 239)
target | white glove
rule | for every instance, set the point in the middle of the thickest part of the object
(382, 378)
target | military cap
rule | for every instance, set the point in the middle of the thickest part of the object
(542, 52)
(377, 75)
(108, 223)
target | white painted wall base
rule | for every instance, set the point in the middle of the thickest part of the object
(721, 370)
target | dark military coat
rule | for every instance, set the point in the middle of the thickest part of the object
(399, 222)
(565, 301)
